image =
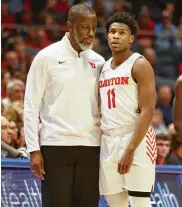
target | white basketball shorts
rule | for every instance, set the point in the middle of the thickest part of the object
(142, 173)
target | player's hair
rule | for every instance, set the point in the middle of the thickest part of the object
(125, 18)
(163, 137)
(79, 10)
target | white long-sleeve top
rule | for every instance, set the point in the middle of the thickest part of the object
(62, 88)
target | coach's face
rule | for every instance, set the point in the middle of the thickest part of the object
(119, 37)
(83, 29)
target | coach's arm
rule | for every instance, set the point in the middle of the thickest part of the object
(35, 88)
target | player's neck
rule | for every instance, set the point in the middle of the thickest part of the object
(120, 57)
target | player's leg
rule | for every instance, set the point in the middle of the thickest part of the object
(118, 199)
(139, 182)
(86, 177)
(58, 180)
(139, 199)
(141, 178)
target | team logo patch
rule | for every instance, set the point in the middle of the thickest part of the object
(92, 65)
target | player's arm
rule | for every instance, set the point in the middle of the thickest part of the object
(143, 74)
(35, 87)
(177, 106)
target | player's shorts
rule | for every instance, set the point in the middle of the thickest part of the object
(142, 173)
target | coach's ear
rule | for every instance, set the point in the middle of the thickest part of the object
(131, 39)
(69, 26)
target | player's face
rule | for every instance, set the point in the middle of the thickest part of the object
(83, 31)
(163, 148)
(119, 37)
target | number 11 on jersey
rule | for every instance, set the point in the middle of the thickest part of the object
(111, 98)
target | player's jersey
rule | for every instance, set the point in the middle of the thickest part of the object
(119, 96)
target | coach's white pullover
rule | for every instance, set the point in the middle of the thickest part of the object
(62, 88)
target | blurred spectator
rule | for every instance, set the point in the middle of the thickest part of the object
(146, 26)
(167, 67)
(15, 112)
(97, 46)
(5, 79)
(21, 138)
(179, 40)
(175, 158)
(37, 39)
(171, 130)
(5, 132)
(26, 18)
(155, 9)
(20, 76)
(57, 31)
(167, 52)
(46, 18)
(164, 103)
(5, 135)
(122, 5)
(158, 123)
(5, 17)
(20, 49)
(2, 108)
(42, 39)
(59, 10)
(98, 6)
(35, 6)
(146, 34)
(100, 49)
(166, 32)
(15, 6)
(12, 63)
(163, 142)
(14, 134)
(31, 39)
(169, 7)
(15, 91)
(116, 6)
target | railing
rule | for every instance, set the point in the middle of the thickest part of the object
(24, 163)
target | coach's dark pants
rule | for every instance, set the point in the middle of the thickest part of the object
(72, 176)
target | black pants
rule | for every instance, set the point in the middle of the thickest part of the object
(72, 176)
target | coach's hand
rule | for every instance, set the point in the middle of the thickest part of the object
(125, 162)
(37, 164)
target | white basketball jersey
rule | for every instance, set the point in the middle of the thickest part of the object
(119, 96)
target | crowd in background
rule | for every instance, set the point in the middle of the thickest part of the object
(30, 25)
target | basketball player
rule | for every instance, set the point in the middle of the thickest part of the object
(62, 87)
(128, 96)
(177, 107)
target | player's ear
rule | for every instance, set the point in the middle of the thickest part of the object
(131, 39)
(69, 26)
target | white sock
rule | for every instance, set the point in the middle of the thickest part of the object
(139, 201)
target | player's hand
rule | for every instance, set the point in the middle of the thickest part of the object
(125, 162)
(37, 164)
